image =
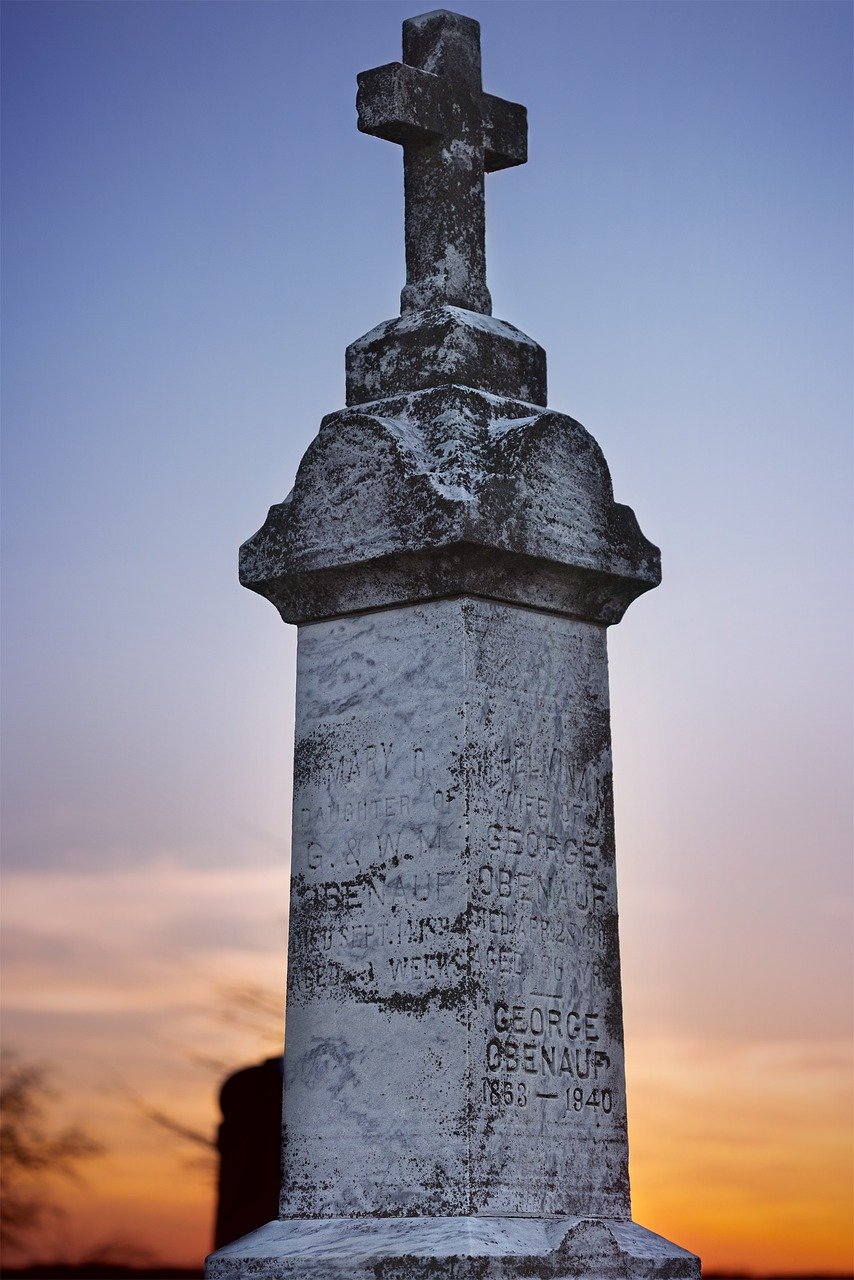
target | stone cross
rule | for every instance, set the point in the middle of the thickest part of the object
(454, 1093)
(451, 132)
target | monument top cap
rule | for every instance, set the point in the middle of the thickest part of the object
(452, 133)
(447, 474)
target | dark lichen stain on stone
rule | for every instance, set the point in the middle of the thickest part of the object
(611, 981)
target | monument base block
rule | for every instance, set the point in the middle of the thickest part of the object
(473, 1248)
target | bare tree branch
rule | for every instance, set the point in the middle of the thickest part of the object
(30, 1153)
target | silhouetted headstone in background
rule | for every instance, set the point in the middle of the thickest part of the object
(249, 1144)
(455, 1100)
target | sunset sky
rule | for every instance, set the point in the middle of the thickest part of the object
(193, 232)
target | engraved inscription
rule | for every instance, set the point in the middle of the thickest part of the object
(376, 870)
(453, 916)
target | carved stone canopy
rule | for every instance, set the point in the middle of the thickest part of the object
(450, 491)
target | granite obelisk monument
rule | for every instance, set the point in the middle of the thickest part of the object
(454, 1099)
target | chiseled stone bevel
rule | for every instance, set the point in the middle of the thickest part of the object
(456, 1248)
(450, 491)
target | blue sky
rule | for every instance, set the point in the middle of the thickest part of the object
(193, 232)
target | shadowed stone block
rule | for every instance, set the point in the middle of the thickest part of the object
(249, 1149)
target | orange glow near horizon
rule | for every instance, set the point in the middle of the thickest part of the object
(195, 230)
(742, 1152)
(758, 1188)
(740, 1149)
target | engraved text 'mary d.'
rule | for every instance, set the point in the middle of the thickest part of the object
(454, 1098)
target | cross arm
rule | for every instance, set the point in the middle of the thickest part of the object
(400, 103)
(505, 133)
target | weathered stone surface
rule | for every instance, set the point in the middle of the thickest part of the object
(451, 133)
(453, 1248)
(441, 347)
(444, 492)
(249, 1146)
(453, 1023)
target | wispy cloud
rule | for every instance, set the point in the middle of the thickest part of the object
(136, 937)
